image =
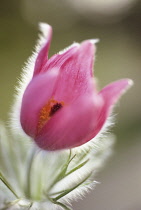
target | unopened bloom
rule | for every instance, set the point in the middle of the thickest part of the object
(61, 107)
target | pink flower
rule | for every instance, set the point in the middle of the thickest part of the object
(61, 107)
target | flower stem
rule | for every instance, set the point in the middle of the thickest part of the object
(6, 183)
(28, 186)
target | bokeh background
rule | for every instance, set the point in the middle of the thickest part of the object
(117, 23)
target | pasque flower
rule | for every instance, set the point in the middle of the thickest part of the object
(61, 107)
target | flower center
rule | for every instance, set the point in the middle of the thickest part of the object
(55, 108)
(47, 111)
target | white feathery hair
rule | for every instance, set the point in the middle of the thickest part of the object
(25, 78)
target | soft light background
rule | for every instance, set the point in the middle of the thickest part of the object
(118, 25)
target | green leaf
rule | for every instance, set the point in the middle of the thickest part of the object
(71, 189)
(77, 167)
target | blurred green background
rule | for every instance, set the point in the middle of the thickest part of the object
(117, 23)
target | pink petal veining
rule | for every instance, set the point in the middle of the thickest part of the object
(80, 80)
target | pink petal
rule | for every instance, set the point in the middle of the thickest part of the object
(110, 95)
(70, 126)
(75, 77)
(37, 94)
(112, 92)
(43, 54)
(57, 60)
